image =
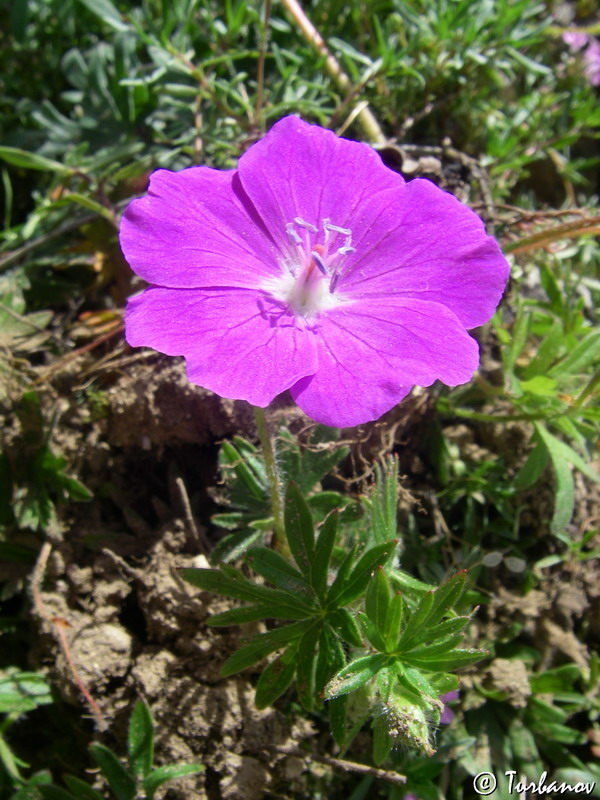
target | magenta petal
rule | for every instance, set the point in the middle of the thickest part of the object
(372, 352)
(301, 170)
(196, 228)
(421, 242)
(236, 342)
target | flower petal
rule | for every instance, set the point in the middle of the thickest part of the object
(302, 170)
(236, 342)
(421, 242)
(373, 352)
(197, 228)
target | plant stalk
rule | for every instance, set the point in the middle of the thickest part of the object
(268, 448)
(364, 115)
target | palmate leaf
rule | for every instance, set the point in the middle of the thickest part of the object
(354, 585)
(384, 500)
(355, 674)
(322, 556)
(277, 570)
(309, 650)
(377, 599)
(263, 645)
(299, 528)
(437, 633)
(276, 678)
(454, 660)
(230, 582)
(308, 465)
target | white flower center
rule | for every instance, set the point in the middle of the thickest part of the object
(312, 268)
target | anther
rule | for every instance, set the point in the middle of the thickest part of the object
(336, 228)
(343, 251)
(319, 262)
(303, 224)
(294, 238)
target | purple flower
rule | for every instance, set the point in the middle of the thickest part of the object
(447, 714)
(591, 54)
(591, 62)
(575, 41)
(311, 267)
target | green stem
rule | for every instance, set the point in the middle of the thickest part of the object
(268, 449)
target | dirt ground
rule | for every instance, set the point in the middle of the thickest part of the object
(136, 629)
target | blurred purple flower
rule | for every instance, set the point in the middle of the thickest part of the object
(575, 41)
(311, 267)
(591, 54)
(447, 714)
(591, 62)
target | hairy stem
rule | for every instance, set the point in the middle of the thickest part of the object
(268, 448)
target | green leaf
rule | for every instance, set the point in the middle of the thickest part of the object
(583, 355)
(233, 545)
(119, 779)
(322, 555)
(415, 681)
(229, 582)
(564, 734)
(342, 574)
(80, 789)
(416, 621)
(553, 681)
(337, 708)
(239, 616)
(23, 691)
(358, 579)
(140, 741)
(276, 569)
(262, 645)
(433, 634)
(27, 160)
(547, 352)
(169, 772)
(384, 500)
(345, 624)
(299, 528)
(372, 633)
(561, 450)
(249, 471)
(276, 678)
(532, 469)
(332, 657)
(86, 202)
(446, 596)
(452, 661)
(306, 666)
(443, 645)
(355, 674)
(54, 793)
(377, 600)
(393, 621)
(107, 12)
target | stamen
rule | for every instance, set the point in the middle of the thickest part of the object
(303, 224)
(336, 228)
(343, 251)
(294, 238)
(319, 262)
(334, 282)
